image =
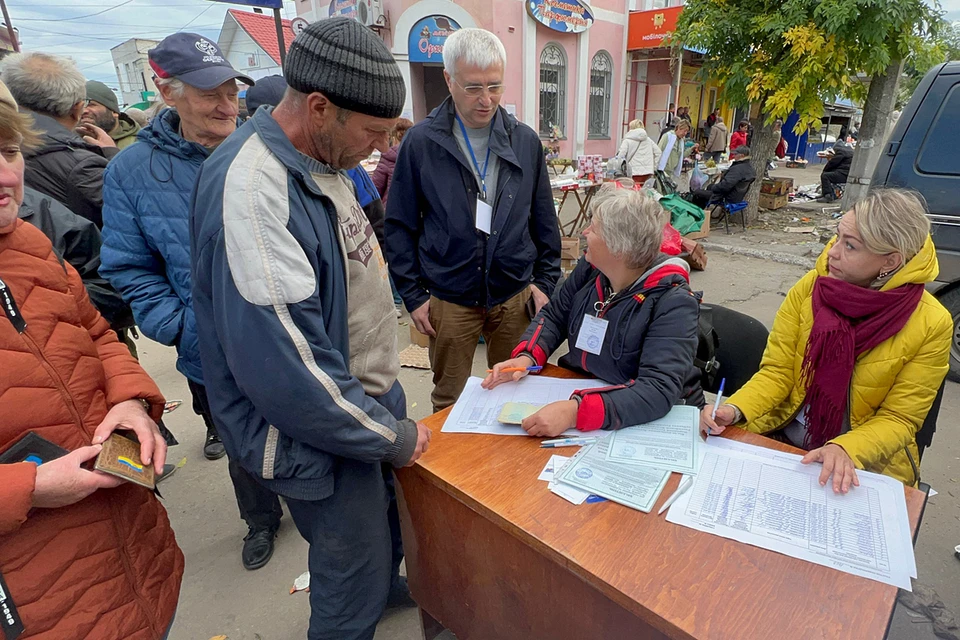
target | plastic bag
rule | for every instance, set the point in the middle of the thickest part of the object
(672, 241)
(698, 178)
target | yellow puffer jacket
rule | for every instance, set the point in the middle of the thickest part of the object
(893, 384)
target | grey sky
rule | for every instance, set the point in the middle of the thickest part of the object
(47, 25)
(58, 26)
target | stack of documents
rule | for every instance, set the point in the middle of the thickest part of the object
(632, 466)
(768, 499)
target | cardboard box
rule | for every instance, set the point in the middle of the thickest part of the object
(417, 338)
(772, 202)
(777, 186)
(704, 230)
(570, 249)
(567, 265)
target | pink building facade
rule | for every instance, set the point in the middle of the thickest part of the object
(555, 75)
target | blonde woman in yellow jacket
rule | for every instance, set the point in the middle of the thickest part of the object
(858, 349)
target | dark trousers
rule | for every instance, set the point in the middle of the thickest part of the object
(259, 507)
(355, 547)
(713, 155)
(701, 197)
(827, 181)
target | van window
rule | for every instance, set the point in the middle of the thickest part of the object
(938, 154)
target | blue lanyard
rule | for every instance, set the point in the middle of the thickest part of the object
(486, 163)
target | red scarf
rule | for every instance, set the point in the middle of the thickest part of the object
(847, 321)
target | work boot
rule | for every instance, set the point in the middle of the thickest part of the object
(400, 595)
(168, 470)
(212, 446)
(257, 548)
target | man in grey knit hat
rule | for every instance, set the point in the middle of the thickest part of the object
(296, 319)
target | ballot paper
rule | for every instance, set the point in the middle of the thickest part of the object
(768, 499)
(556, 462)
(477, 409)
(630, 485)
(670, 443)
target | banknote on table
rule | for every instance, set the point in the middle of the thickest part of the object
(516, 412)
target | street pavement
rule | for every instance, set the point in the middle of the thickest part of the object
(219, 597)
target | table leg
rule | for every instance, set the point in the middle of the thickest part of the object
(429, 626)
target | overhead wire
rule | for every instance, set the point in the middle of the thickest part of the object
(89, 15)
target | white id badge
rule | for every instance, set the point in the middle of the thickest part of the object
(592, 332)
(484, 216)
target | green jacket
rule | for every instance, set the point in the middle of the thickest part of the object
(125, 133)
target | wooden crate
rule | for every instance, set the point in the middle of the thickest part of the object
(772, 202)
(570, 249)
(777, 186)
(704, 229)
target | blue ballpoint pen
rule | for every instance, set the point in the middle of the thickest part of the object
(569, 442)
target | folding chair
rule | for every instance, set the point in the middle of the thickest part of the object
(729, 208)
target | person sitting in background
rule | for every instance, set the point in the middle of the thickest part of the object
(640, 152)
(103, 111)
(734, 183)
(673, 148)
(739, 137)
(83, 553)
(835, 172)
(642, 299)
(858, 350)
(717, 142)
(383, 174)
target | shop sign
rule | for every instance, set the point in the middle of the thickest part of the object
(343, 8)
(566, 16)
(427, 38)
(649, 29)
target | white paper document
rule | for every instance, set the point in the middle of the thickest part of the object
(768, 499)
(670, 443)
(477, 409)
(556, 462)
(630, 485)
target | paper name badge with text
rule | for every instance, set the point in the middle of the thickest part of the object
(484, 216)
(592, 332)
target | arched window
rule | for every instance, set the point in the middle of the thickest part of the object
(553, 89)
(601, 95)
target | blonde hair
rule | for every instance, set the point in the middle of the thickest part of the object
(893, 221)
(18, 127)
(630, 222)
(683, 124)
(636, 124)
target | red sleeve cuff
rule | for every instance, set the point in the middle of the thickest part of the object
(538, 354)
(592, 412)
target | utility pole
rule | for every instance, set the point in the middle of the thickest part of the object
(283, 48)
(6, 19)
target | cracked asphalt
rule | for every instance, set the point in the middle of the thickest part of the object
(220, 598)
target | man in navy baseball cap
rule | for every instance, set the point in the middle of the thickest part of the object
(146, 235)
(194, 60)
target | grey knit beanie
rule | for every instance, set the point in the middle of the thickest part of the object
(349, 64)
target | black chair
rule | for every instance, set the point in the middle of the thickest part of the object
(929, 426)
(741, 341)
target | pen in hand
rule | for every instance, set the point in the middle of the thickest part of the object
(716, 404)
(533, 369)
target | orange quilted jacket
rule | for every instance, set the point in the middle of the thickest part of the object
(108, 567)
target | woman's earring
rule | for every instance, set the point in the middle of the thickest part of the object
(884, 274)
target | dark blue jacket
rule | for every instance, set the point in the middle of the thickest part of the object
(647, 352)
(432, 244)
(146, 234)
(269, 291)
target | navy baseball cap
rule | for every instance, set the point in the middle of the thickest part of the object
(194, 60)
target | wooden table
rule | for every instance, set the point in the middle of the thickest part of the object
(493, 555)
(575, 225)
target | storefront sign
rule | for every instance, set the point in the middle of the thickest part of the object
(344, 8)
(649, 29)
(566, 16)
(427, 38)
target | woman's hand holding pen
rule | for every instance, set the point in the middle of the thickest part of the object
(508, 371)
(724, 418)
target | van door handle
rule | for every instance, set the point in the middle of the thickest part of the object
(893, 148)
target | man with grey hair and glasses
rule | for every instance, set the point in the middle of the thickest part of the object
(66, 167)
(471, 231)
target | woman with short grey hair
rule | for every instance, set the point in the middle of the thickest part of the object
(629, 319)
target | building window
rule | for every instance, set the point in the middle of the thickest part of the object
(601, 95)
(553, 89)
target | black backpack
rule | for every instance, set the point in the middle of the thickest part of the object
(707, 343)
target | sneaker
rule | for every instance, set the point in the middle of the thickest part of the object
(257, 548)
(213, 447)
(399, 312)
(168, 470)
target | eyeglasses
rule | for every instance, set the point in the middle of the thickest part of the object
(476, 90)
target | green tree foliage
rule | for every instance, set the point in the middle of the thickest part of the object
(945, 46)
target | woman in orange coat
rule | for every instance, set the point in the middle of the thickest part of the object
(82, 554)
